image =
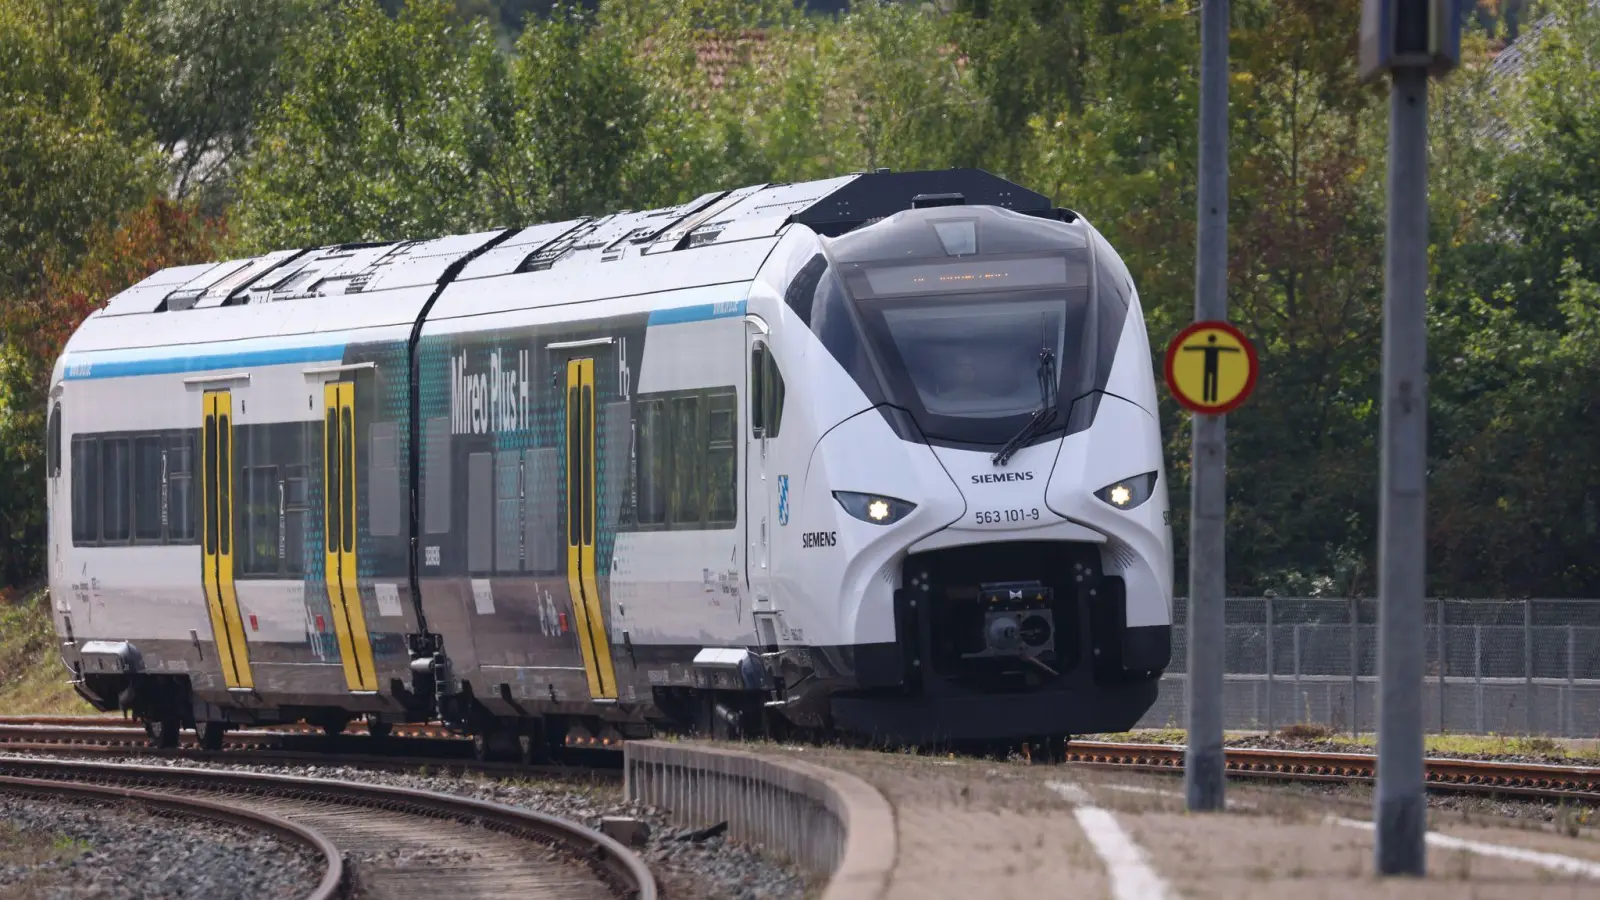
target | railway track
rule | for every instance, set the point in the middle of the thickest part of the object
(397, 843)
(332, 884)
(1531, 780)
(427, 745)
(401, 751)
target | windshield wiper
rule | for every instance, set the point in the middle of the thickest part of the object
(1043, 416)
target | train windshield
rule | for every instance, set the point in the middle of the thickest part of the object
(981, 358)
(970, 320)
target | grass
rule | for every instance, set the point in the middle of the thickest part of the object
(33, 848)
(32, 679)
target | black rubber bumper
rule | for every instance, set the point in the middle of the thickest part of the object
(994, 717)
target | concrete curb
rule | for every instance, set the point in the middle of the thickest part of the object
(829, 823)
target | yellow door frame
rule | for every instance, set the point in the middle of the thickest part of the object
(339, 535)
(582, 515)
(216, 545)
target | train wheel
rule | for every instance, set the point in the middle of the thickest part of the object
(210, 735)
(378, 728)
(163, 731)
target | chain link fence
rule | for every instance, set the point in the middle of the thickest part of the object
(1493, 666)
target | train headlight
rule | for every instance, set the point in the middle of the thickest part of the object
(873, 508)
(1129, 492)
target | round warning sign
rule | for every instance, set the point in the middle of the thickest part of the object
(1211, 367)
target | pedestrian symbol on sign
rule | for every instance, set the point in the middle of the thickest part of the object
(1211, 367)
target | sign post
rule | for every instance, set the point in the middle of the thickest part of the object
(1203, 767)
(1405, 39)
(1211, 369)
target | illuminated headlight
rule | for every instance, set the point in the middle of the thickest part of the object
(1129, 492)
(873, 508)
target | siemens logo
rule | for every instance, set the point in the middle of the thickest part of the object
(993, 477)
(819, 539)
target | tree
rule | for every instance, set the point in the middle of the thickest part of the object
(37, 325)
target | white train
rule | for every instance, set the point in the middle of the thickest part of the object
(877, 454)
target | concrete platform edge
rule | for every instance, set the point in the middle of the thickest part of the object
(829, 823)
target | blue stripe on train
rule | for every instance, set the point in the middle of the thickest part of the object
(165, 361)
(698, 313)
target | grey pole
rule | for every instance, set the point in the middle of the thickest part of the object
(1399, 805)
(1203, 767)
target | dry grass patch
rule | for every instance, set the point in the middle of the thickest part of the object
(32, 679)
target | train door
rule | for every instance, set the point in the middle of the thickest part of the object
(216, 500)
(767, 492)
(582, 513)
(339, 532)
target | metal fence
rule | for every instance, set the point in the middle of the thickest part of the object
(1493, 666)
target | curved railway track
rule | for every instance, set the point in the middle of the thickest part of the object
(399, 843)
(332, 883)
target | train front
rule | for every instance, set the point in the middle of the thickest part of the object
(997, 509)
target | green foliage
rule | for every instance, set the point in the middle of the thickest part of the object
(320, 121)
(71, 138)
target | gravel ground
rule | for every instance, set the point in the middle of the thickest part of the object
(713, 869)
(69, 850)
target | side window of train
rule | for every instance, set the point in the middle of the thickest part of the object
(802, 290)
(766, 393)
(686, 464)
(85, 490)
(53, 442)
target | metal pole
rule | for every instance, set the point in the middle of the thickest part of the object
(1203, 768)
(1272, 672)
(1399, 807)
(1572, 674)
(1443, 656)
(1527, 663)
(1355, 666)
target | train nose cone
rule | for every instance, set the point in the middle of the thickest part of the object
(1004, 633)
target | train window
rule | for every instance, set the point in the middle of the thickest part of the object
(347, 476)
(758, 390)
(804, 287)
(651, 461)
(85, 490)
(480, 512)
(53, 441)
(330, 486)
(687, 496)
(149, 470)
(383, 479)
(722, 461)
(225, 485)
(436, 474)
(180, 489)
(508, 510)
(296, 507)
(773, 401)
(262, 495)
(586, 451)
(115, 509)
(210, 490)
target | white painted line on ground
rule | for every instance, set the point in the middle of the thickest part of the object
(1131, 875)
(1159, 792)
(1567, 864)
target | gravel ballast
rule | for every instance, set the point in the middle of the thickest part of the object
(716, 868)
(71, 850)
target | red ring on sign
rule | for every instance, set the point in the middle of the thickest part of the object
(1249, 381)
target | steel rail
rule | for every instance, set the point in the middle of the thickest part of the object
(623, 870)
(1540, 780)
(332, 883)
